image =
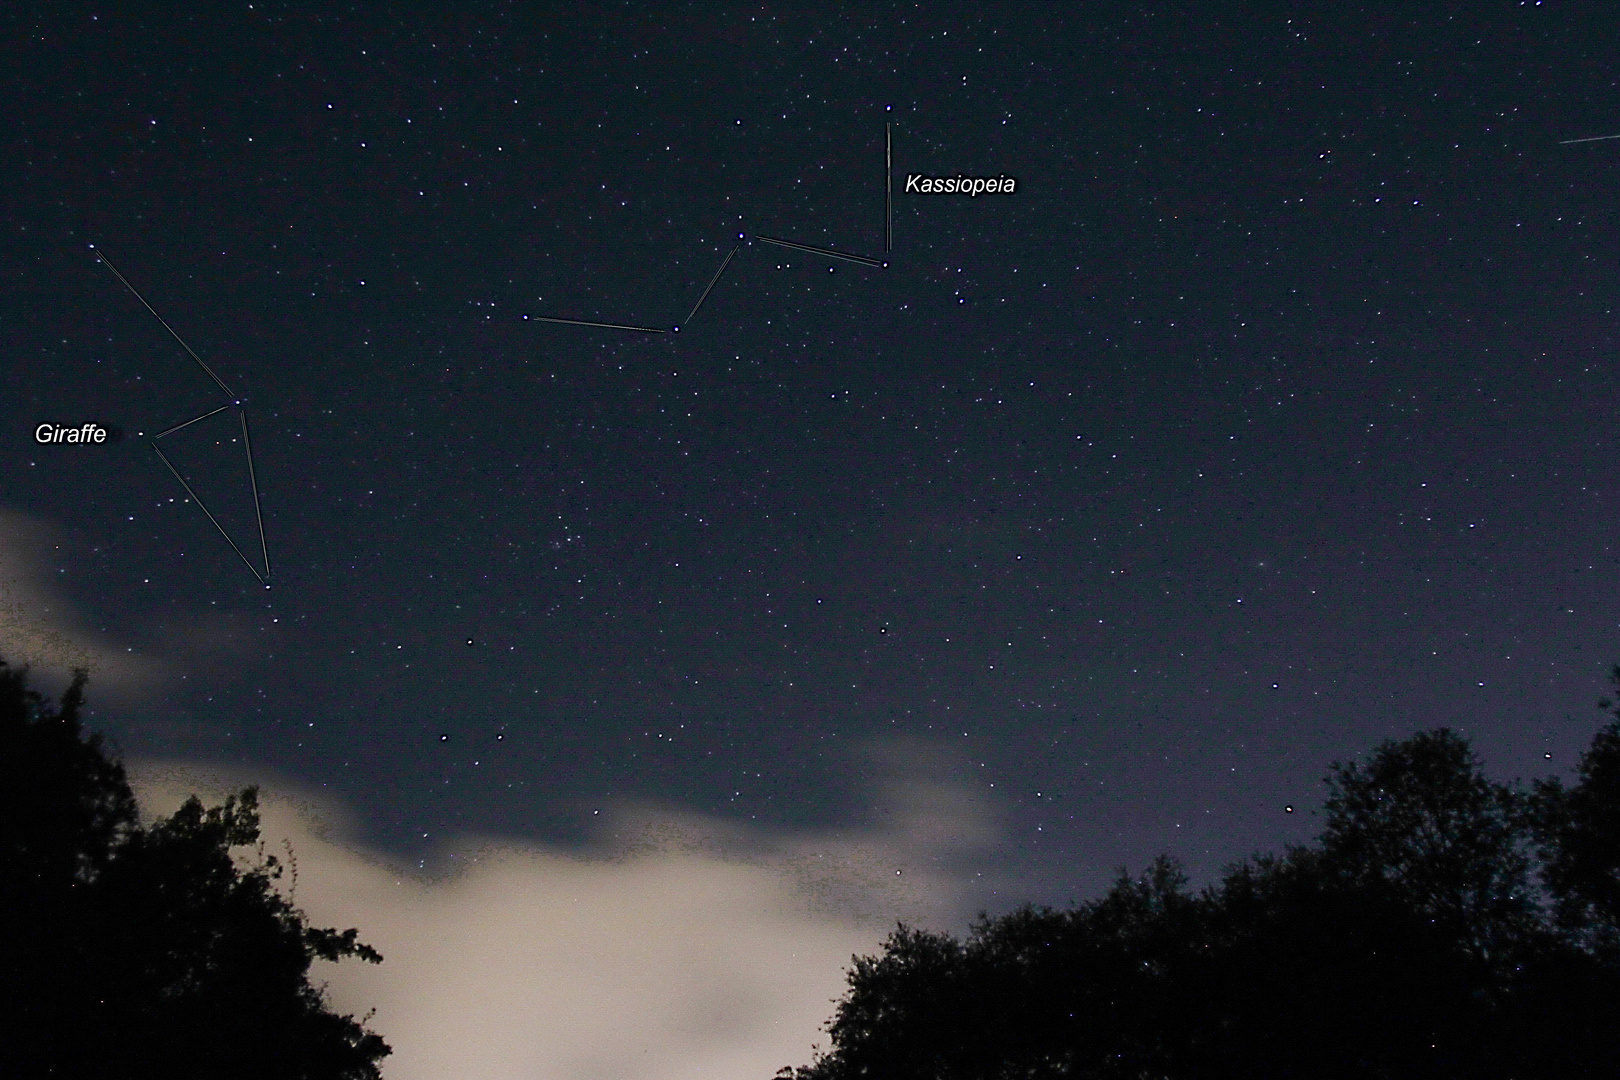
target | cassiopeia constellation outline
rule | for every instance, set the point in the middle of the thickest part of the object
(888, 245)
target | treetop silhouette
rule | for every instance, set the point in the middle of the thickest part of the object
(1444, 926)
(146, 950)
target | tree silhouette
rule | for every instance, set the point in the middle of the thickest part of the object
(1579, 833)
(133, 950)
(1422, 818)
(1410, 942)
(1034, 993)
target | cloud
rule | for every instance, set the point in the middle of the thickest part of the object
(675, 946)
(40, 627)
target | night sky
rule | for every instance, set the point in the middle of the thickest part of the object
(1270, 417)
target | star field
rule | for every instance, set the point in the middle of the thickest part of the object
(1269, 418)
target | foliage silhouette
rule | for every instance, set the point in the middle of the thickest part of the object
(1410, 942)
(136, 950)
(1578, 830)
(1422, 819)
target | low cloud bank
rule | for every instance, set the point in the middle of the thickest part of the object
(41, 628)
(677, 946)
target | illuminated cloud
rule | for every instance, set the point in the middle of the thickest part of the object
(41, 628)
(677, 946)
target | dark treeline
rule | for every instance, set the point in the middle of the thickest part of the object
(1443, 926)
(135, 950)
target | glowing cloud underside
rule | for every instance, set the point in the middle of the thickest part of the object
(679, 947)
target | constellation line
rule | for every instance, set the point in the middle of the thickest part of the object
(217, 380)
(606, 325)
(202, 506)
(729, 256)
(193, 420)
(253, 479)
(862, 259)
(888, 246)
(247, 444)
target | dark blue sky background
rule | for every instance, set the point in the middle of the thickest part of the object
(1271, 417)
